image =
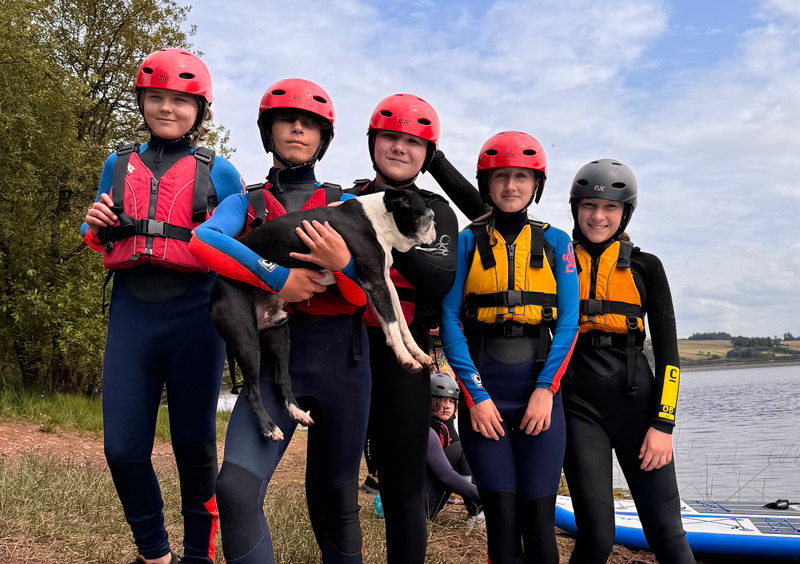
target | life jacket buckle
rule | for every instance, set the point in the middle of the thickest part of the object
(592, 307)
(152, 227)
(512, 331)
(203, 155)
(547, 314)
(632, 390)
(633, 323)
(513, 298)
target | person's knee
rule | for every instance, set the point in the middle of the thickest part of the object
(197, 467)
(240, 502)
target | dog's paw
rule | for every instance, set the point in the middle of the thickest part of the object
(410, 365)
(275, 435)
(299, 415)
(420, 356)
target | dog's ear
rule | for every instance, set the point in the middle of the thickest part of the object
(396, 199)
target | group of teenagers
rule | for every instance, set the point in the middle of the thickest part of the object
(543, 330)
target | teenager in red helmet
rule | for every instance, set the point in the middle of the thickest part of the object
(508, 328)
(159, 331)
(402, 137)
(329, 362)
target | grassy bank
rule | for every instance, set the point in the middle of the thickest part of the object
(73, 413)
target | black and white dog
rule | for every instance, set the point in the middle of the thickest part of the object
(251, 320)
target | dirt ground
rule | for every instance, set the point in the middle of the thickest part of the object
(17, 438)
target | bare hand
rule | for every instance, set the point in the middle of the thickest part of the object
(656, 450)
(301, 285)
(326, 246)
(537, 414)
(486, 420)
(100, 215)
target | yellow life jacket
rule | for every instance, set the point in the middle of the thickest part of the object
(610, 301)
(511, 283)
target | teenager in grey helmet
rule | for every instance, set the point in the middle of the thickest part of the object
(612, 399)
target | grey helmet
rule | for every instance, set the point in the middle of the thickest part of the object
(607, 179)
(443, 386)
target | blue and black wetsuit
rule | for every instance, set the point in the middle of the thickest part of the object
(518, 475)
(401, 402)
(604, 413)
(327, 381)
(160, 333)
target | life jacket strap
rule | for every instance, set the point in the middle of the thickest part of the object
(604, 307)
(128, 227)
(124, 153)
(255, 197)
(509, 299)
(205, 197)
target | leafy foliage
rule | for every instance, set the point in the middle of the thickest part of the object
(67, 69)
(719, 336)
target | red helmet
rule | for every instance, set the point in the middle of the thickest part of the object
(409, 114)
(297, 94)
(511, 148)
(406, 113)
(175, 69)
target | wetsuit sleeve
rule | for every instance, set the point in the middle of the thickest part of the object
(104, 187)
(663, 335)
(227, 180)
(460, 190)
(568, 297)
(432, 272)
(454, 343)
(215, 244)
(442, 471)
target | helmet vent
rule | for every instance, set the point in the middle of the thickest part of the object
(147, 70)
(278, 92)
(186, 75)
(320, 99)
(618, 184)
(386, 113)
(616, 164)
(529, 152)
(583, 182)
(595, 162)
(424, 121)
(491, 152)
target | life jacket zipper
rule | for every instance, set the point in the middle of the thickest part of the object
(151, 214)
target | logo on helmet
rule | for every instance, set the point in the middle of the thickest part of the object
(298, 97)
(164, 77)
(599, 188)
(510, 155)
(402, 121)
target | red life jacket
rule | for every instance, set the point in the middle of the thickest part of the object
(156, 217)
(263, 206)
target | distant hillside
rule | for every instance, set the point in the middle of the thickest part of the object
(738, 349)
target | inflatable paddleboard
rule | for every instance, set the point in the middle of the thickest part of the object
(728, 528)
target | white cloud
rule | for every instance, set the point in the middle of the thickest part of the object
(714, 147)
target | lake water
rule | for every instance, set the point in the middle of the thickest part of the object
(737, 434)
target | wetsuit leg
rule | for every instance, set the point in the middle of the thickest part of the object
(140, 343)
(248, 464)
(588, 469)
(658, 505)
(193, 379)
(336, 390)
(401, 405)
(457, 459)
(493, 468)
(339, 404)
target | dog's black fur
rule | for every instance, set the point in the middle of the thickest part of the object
(251, 320)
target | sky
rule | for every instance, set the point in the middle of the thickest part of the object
(700, 99)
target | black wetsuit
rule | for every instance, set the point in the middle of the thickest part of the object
(401, 402)
(602, 415)
(448, 470)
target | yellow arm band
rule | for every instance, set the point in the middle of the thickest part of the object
(669, 393)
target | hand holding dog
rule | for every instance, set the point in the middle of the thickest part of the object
(537, 414)
(100, 215)
(326, 246)
(486, 420)
(301, 285)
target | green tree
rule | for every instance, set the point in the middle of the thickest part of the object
(67, 69)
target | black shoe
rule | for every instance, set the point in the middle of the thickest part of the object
(370, 485)
(175, 559)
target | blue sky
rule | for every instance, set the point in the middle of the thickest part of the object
(700, 99)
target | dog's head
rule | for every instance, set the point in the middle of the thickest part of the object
(412, 215)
